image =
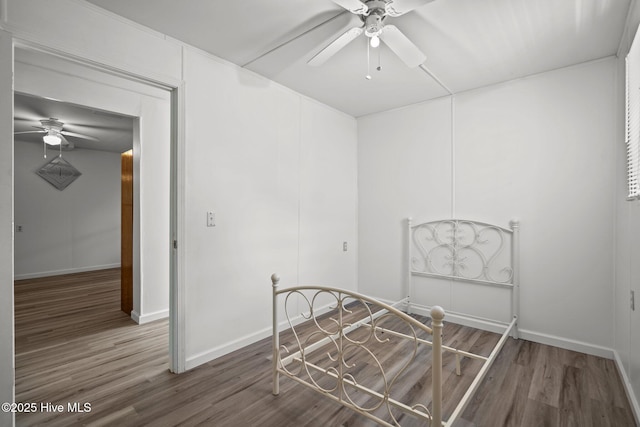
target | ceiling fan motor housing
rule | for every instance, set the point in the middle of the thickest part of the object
(52, 124)
(374, 17)
(373, 25)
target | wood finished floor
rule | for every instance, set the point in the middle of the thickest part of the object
(73, 344)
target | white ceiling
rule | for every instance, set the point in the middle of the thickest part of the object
(114, 131)
(468, 43)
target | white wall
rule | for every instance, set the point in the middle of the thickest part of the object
(77, 229)
(538, 149)
(327, 197)
(404, 170)
(627, 250)
(279, 172)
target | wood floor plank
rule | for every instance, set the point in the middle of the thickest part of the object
(547, 378)
(540, 414)
(73, 344)
(574, 402)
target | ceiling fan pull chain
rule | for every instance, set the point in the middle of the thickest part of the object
(60, 155)
(44, 146)
(379, 67)
(368, 76)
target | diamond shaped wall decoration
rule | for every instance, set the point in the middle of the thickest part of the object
(59, 173)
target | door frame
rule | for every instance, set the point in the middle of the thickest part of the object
(177, 358)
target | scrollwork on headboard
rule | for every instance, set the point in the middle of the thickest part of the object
(464, 250)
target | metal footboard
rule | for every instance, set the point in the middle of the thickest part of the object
(359, 352)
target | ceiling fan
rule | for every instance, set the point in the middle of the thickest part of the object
(54, 134)
(373, 13)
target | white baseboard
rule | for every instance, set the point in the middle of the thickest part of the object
(627, 387)
(64, 271)
(214, 353)
(460, 319)
(566, 343)
(541, 338)
(149, 317)
(226, 348)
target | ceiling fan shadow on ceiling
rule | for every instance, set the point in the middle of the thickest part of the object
(55, 135)
(373, 14)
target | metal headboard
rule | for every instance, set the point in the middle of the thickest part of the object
(466, 250)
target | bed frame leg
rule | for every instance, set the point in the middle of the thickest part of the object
(437, 315)
(515, 261)
(275, 335)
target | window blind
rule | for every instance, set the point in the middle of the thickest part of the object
(632, 137)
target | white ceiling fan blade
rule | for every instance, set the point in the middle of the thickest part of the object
(400, 7)
(77, 135)
(402, 46)
(333, 47)
(29, 131)
(24, 119)
(353, 6)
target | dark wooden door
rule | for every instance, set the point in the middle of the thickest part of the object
(126, 256)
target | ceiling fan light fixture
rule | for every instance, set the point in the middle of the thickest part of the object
(375, 41)
(52, 138)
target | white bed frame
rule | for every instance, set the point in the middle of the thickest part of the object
(474, 252)
(447, 249)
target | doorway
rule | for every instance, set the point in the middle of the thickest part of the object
(54, 77)
(67, 194)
